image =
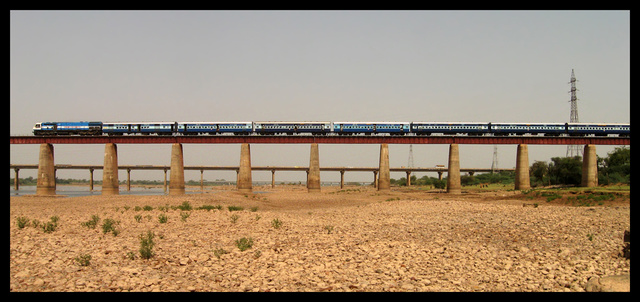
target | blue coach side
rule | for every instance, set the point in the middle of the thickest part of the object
(67, 128)
(367, 128)
(146, 128)
(270, 128)
(581, 129)
(428, 128)
(528, 128)
(212, 128)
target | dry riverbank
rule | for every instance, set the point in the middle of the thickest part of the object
(355, 239)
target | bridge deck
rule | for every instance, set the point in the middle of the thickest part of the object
(308, 139)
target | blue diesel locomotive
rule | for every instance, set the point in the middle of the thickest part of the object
(331, 128)
(68, 128)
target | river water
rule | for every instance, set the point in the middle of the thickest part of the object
(74, 191)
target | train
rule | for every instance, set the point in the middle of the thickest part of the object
(331, 128)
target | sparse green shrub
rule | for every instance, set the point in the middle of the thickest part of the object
(235, 208)
(146, 245)
(83, 260)
(184, 216)
(210, 207)
(185, 206)
(91, 223)
(328, 228)
(244, 243)
(109, 225)
(147, 208)
(276, 223)
(162, 218)
(51, 226)
(234, 218)
(550, 196)
(35, 223)
(138, 218)
(219, 252)
(22, 222)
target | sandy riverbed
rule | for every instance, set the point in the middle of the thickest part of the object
(356, 239)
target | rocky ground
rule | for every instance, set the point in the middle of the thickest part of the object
(356, 239)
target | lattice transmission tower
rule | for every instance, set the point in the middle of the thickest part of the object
(494, 164)
(410, 164)
(573, 150)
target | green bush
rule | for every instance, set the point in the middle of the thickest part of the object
(52, 225)
(83, 260)
(235, 208)
(210, 207)
(109, 225)
(244, 243)
(185, 206)
(146, 245)
(276, 223)
(22, 222)
(91, 223)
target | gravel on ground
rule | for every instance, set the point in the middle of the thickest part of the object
(354, 239)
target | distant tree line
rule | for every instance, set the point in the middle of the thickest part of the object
(615, 168)
(504, 177)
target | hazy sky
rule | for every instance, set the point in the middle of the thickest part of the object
(488, 66)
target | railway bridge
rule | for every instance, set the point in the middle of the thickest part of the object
(46, 167)
(273, 169)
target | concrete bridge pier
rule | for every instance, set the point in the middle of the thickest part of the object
(522, 181)
(453, 175)
(46, 171)
(244, 173)
(164, 188)
(110, 184)
(589, 167)
(384, 179)
(313, 178)
(91, 180)
(176, 180)
(273, 178)
(375, 179)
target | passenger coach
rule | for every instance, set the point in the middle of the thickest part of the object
(549, 129)
(580, 129)
(213, 128)
(428, 128)
(272, 128)
(144, 128)
(368, 128)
